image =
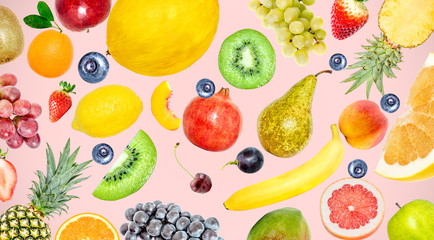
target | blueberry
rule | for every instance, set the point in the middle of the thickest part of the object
(102, 153)
(357, 168)
(337, 62)
(205, 88)
(93, 67)
(390, 103)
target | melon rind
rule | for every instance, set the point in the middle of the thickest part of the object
(366, 230)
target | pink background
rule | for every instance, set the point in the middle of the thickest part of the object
(169, 182)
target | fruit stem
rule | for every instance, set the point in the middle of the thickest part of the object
(397, 204)
(224, 91)
(174, 150)
(230, 163)
(362, 1)
(57, 26)
(325, 71)
(3, 155)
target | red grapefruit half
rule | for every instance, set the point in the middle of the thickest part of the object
(352, 208)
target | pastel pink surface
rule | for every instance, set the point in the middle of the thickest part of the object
(169, 182)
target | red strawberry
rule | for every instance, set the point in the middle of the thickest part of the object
(60, 101)
(347, 17)
(8, 178)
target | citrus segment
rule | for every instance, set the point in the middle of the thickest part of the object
(352, 208)
(87, 226)
(50, 54)
(422, 90)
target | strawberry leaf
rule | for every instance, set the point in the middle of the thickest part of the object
(45, 11)
(36, 21)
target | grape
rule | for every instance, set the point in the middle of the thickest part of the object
(299, 41)
(320, 34)
(156, 202)
(269, 3)
(261, 12)
(296, 3)
(144, 235)
(150, 207)
(308, 48)
(33, 142)
(7, 129)
(309, 38)
(133, 227)
(283, 4)
(291, 14)
(197, 218)
(212, 223)
(130, 236)
(320, 47)
(182, 223)
(140, 218)
(139, 206)
(129, 213)
(167, 231)
(305, 22)
(283, 35)
(283, 24)
(160, 213)
(209, 234)
(309, 2)
(195, 229)
(180, 235)
(296, 27)
(302, 7)
(254, 4)
(123, 229)
(308, 14)
(6, 108)
(301, 57)
(288, 50)
(21, 107)
(8, 79)
(16, 141)
(174, 207)
(266, 24)
(185, 214)
(154, 227)
(275, 15)
(10, 93)
(161, 205)
(172, 216)
(316, 23)
(26, 127)
(35, 111)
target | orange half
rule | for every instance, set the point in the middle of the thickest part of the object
(87, 226)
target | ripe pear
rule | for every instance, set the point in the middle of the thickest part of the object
(285, 126)
(11, 36)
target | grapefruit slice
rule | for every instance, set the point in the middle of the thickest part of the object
(408, 153)
(352, 208)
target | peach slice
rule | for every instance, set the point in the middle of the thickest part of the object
(160, 107)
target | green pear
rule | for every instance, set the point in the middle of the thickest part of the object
(414, 221)
(283, 223)
(11, 36)
(285, 125)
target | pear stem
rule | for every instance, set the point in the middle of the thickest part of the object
(397, 204)
(325, 71)
(174, 150)
(230, 163)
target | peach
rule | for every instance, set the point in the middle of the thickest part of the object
(160, 107)
(363, 124)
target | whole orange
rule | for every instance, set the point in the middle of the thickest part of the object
(50, 54)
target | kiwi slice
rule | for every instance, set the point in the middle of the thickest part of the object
(130, 171)
(247, 59)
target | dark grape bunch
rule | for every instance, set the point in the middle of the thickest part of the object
(158, 221)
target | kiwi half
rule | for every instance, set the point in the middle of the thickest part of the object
(130, 171)
(247, 59)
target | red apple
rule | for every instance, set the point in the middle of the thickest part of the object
(214, 123)
(79, 15)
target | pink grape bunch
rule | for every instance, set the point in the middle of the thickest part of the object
(17, 116)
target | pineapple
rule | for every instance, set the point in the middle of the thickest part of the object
(405, 24)
(49, 197)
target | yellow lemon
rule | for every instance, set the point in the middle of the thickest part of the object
(158, 38)
(107, 111)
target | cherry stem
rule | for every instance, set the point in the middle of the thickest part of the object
(325, 71)
(230, 163)
(174, 150)
(397, 204)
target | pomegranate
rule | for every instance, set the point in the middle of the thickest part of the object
(214, 123)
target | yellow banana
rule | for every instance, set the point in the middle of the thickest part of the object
(294, 182)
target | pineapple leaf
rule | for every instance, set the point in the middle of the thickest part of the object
(51, 163)
(356, 84)
(368, 87)
(379, 84)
